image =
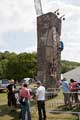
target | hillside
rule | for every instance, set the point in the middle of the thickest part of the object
(68, 65)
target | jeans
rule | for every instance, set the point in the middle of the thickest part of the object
(41, 110)
(25, 108)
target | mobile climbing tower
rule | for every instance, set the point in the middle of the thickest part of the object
(48, 46)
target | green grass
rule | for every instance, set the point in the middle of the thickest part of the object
(6, 115)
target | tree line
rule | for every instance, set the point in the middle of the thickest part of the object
(22, 65)
(17, 66)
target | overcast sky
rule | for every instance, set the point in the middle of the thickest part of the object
(18, 26)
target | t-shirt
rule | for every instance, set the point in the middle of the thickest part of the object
(40, 93)
(65, 86)
(24, 92)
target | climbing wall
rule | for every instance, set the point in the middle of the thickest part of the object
(48, 53)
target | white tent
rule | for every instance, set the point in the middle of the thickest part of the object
(75, 74)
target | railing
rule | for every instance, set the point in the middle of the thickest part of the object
(55, 104)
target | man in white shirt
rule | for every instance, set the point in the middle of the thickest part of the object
(40, 96)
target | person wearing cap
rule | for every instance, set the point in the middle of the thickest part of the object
(40, 97)
(11, 95)
(24, 95)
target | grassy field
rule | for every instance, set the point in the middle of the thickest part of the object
(6, 115)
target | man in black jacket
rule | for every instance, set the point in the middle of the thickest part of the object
(11, 95)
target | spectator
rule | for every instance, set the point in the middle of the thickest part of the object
(74, 89)
(66, 91)
(11, 95)
(24, 94)
(40, 96)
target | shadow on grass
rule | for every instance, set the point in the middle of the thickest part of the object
(73, 108)
(63, 109)
(14, 115)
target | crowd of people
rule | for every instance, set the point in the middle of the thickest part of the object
(70, 91)
(24, 96)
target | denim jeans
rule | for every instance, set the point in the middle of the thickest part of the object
(26, 108)
(41, 110)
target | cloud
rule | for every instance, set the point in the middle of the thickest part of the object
(31, 49)
(18, 25)
(70, 27)
(19, 41)
(73, 2)
(3, 42)
(16, 15)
